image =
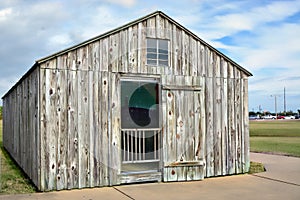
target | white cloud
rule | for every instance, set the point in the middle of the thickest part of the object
(126, 3)
(4, 13)
(59, 40)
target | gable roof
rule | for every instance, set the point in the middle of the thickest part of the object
(136, 22)
(106, 34)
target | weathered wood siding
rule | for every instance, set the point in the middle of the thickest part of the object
(76, 122)
(76, 143)
(183, 103)
(21, 125)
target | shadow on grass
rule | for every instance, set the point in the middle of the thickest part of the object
(12, 179)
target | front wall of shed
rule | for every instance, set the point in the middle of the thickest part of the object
(20, 125)
(80, 110)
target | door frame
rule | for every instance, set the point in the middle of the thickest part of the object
(142, 176)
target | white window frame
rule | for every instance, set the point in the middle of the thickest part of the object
(157, 53)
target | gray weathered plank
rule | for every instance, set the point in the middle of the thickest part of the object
(72, 177)
(209, 116)
(217, 109)
(231, 120)
(115, 143)
(224, 117)
(104, 174)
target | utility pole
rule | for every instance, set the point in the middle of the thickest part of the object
(284, 101)
(275, 97)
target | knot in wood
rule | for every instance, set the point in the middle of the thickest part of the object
(181, 123)
(50, 91)
(173, 172)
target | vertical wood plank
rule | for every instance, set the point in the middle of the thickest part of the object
(33, 130)
(224, 117)
(132, 49)
(51, 131)
(123, 54)
(209, 115)
(246, 126)
(94, 56)
(104, 54)
(72, 178)
(185, 62)
(189, 117)
(104, 153)
(169, 36)
(142, 47)
(180, 123)
(197, 126)
(171, 126)
(202, 128)
(43, 128)
(115, 155)
(113, 52)
(231, 120)
(164, 132)
(237, 101)
(242, 129)
(83, 128)
(160, 33)
(193, 57)
(62, 110)
(203, 60)
(217, 109)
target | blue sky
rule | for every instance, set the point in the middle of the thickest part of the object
(260, 35)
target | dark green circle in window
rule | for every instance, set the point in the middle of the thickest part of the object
(140, 103)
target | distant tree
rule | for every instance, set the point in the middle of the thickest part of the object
(289, 113)
(252, 113)
(299, 111)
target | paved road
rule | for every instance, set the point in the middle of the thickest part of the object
(281, 181)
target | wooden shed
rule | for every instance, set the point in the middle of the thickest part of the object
(148, 101)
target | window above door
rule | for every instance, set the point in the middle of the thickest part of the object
(157, 52)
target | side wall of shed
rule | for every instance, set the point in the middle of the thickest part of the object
(20, 125)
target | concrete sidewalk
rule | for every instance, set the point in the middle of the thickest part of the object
(281, 168)
(281, 181)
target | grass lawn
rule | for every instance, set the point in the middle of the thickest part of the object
(12, 179)
(275, 136)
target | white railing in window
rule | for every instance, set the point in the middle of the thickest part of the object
(140, 145)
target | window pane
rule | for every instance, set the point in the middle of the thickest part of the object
(163, 56)
(140, 104)
(163, 63)
(151, 43)
(163, 51)
(151, 62)
(163, 44)
(151, 56)
(151, 50)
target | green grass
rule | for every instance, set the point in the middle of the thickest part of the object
(256, 167)
(12, 179)
(276, 136)
(275, 128)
